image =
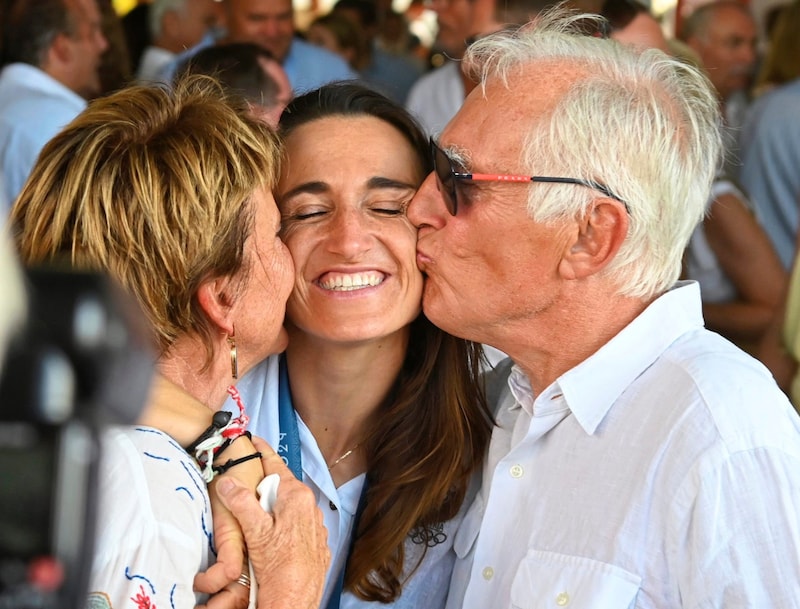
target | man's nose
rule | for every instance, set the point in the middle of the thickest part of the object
(427, 208)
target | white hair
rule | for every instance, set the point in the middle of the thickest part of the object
(643, 124)
(157, 10)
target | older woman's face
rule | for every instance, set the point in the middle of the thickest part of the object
(262, 303)
(343, 197)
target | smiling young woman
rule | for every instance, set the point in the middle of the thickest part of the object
(378, 411)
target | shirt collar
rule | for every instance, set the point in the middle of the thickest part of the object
(592, 387)
(40, 81)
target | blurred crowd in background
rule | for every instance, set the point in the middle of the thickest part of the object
(58, 54)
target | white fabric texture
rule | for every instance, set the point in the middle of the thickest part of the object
(428, 587)
(436, 97)
(661, 472)
(154, 529)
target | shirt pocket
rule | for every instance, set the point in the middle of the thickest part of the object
(551, 580)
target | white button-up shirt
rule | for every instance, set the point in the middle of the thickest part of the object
(426, 587)
(662, 472)
(154, 526)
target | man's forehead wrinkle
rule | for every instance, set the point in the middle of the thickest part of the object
(470, 128)
(494, 110)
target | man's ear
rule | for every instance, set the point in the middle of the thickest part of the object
(214, 296)
(60, 51)
(596, 240)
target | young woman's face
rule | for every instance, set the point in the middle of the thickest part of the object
(343, 196)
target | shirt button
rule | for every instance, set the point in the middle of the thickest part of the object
(517, 471)
(562, 599)
(488, 573)
(333, 507)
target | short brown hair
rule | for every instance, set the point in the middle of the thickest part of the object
(154, 186)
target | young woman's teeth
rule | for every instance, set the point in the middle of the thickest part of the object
(341, 282)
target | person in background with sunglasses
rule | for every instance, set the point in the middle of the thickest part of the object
(638, 460)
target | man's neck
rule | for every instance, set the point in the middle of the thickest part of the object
(547, 348)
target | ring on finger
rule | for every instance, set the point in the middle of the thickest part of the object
(244, 580)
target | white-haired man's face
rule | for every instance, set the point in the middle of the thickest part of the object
(489, 268)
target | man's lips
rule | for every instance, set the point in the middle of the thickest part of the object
(423, 259)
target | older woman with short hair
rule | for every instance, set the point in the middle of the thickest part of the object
(170, 192)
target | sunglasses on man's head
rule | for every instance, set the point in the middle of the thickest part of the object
(446, 175)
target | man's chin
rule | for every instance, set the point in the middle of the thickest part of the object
(279, 52)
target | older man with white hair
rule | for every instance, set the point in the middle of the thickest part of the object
(638, 460)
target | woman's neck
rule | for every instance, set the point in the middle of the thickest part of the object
(337, 390)
(185, 366)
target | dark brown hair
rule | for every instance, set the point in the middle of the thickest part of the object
(236, 67)
(434, 425)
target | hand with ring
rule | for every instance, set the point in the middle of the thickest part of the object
(288, 547)
(244, 580)
(223, 579)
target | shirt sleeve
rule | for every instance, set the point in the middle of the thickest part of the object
(735, 543)
(154, 528)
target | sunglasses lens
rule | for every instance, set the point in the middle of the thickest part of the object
(441, 164)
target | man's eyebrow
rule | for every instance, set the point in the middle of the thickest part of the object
(379, 182)
(458, 156)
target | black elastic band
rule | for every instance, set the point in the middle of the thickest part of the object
(221, 469)
(230, 441)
